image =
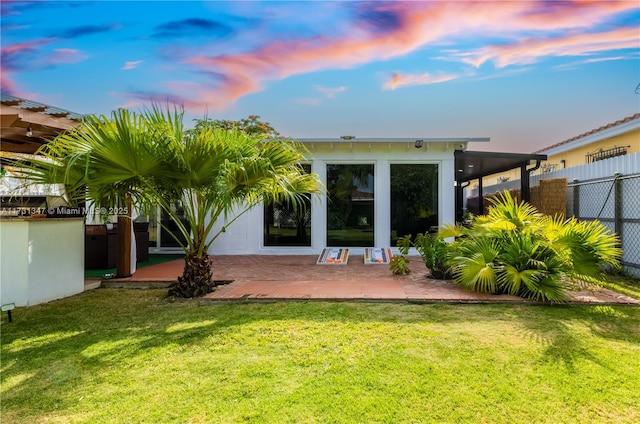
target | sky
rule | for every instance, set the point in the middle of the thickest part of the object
(526, 74)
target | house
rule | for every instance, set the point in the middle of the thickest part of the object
(615, 139)
(378, 189)
(618, 138)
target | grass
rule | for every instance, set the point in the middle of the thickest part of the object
(622, 284)
(135, 356)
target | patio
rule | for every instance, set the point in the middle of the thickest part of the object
(258, 278)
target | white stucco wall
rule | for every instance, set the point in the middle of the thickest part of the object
(40, 260)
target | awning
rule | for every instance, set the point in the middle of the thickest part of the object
(475, 165)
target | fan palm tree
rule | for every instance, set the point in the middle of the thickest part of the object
(516, 250)
(150, 160)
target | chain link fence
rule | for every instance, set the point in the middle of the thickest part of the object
(615, 202)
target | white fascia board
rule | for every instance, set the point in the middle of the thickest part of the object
(593, 138)
(395, 140)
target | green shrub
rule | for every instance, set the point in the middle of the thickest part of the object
(516, 250)
(431, 247)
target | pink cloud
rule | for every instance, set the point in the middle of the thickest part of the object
(65, 56)
(15, 49)
(6, 82)
(13, 61)
(531, 50)
(404, 80)
(246, 72)
(129, 105)
(20, 56)
(401, 28)
(419, 24)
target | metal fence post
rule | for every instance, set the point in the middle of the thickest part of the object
(617, 198)
(576, 199)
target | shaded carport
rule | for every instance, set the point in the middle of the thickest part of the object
(472, 166)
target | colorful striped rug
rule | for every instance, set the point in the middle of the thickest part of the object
(333, 256)
(377, 255)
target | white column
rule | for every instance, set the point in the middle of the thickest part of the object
(382, 205)
(319, 210)
(447, 194)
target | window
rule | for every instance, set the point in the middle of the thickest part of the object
(287, 226)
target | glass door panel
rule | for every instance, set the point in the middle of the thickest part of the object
(350, 205)
(414, 199)
(161, 230)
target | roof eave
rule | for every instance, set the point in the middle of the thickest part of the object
(588, 139)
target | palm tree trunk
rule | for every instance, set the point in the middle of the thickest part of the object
(123, 257)
(196, 278)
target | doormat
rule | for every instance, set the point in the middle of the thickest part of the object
(377, 255)
(333, 256)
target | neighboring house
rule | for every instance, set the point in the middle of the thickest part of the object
(377, 190)
(615, 139)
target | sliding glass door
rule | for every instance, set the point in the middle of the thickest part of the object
(414, 199)
(350, 205)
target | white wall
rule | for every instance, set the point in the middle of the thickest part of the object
(41, 260)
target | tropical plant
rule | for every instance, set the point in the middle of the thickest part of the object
(399, 264)
(432, 249)
(516, 250)
(250, 125)
(150, 160)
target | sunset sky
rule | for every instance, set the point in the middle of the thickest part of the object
(526, 74)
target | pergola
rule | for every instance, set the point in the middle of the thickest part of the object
(27, 125)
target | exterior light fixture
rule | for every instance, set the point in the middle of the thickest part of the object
(8, 308)
(29, 131)
(419, 144)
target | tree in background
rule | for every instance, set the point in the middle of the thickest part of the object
(251, 125)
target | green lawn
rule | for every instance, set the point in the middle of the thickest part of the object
(133, 356)
(621, 283)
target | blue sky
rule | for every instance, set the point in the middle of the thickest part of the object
(526, 74)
